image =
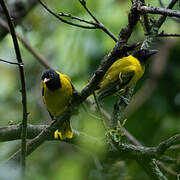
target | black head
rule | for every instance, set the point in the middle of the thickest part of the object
(51, 79)
(143, 54)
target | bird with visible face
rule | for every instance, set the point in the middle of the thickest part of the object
(124, 73)
(57, 94)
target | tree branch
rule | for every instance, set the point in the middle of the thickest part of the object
(162, 18)
(10, 62)
(118, 51)
(65, 21)
(157, 10)
(23, 86)
(78, 98)
(146, 23)
(42, 60)
(162, 34)
(98, 23)
(76, 18)
(133, 18)
(13, 132)
(156, 26)
(151, 168)
(18, 10)
(95, 25)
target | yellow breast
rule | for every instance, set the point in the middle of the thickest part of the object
(57, 101)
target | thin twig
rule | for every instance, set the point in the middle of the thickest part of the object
(163, 166)
(77, 18)
(173, 18)
(99, 24)
(23, 87)
(99, 109)
(10, 62)
(162, 18)
(83, 3)
(156, 26)
(42, 60)
(169, 6)
(95, 25)
(161, 3)
(18, 10)
(63, 20)
(146, 24)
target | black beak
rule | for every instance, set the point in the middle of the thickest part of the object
(143, 54)
(151, 52)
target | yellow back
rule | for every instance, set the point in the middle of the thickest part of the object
(125, 65)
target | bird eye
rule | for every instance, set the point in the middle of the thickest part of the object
(51, 76)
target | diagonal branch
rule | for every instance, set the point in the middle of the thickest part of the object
(156, 26)
(98, 23)
(151, 168)
(18, 11)
(163, 146)
(83, 3)
(146, 23)
(161, 20)
(42, 60)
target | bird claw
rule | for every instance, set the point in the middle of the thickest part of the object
(58, 135)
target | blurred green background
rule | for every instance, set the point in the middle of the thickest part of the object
(77, 53)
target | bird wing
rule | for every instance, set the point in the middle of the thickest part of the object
(125, 78)
(111, 88)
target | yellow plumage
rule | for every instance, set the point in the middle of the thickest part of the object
(57, 101)
(120, 69)
(123, 73)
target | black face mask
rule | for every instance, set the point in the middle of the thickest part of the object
(54, 81)
(143, 54)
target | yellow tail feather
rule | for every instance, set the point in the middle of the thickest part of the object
(64, 132)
